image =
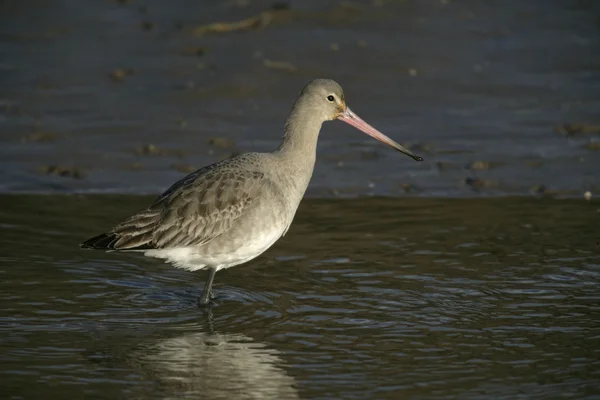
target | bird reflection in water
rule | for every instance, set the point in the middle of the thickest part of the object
(215, 366)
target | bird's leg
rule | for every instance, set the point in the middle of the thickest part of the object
(209, 320)
(207, 293)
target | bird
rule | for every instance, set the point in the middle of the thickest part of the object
(230, 212)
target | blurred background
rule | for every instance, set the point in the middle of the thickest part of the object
(501, 98)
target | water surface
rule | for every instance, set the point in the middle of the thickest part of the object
(375, 298)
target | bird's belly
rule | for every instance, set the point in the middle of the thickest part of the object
(220, 253)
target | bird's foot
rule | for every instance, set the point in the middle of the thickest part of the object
(206, 304)
(206, 301)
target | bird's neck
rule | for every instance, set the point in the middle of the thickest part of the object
(301, 134)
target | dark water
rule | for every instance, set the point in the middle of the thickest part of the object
(373, 298)
(459, 81)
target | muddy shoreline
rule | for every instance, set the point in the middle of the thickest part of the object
(128, 96)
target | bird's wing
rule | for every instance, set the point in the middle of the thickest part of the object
(193, 211)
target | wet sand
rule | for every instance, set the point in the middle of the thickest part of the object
(487, 92)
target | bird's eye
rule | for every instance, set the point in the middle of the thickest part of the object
(330, 98)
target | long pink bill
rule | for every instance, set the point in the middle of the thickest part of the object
(350, 118)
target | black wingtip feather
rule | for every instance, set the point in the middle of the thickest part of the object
(107, 241)
(100, 242)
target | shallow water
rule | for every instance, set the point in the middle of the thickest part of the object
(369, 298)
(459, 81)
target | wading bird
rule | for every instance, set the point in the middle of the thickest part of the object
(230, 212)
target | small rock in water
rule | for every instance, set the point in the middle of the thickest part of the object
(541, 190)
(197, 51)
(153, 150)
(120, 73)
(483, 165)
(593, 145)
(409, 188)
(148, 150)
(578, 129)
(41, 137)
(281, 65)
(63, 171)
(478, 165)
(136, 166)
(182, 122)
(535, 163)
(344, 12)
(147, 25)
(280, 6)
(276, 13)
(185, 168)
(478, 183)
(445, 165)
(221, 142)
